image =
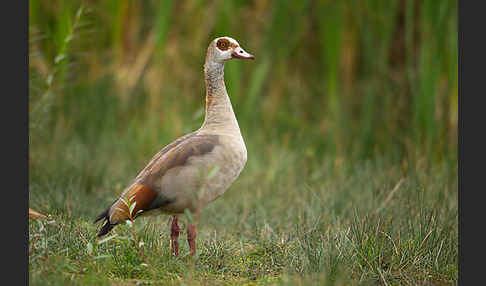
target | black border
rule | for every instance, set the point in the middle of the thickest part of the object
(15, 142)
(471, 170)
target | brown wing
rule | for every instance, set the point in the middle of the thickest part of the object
(196, 145)
(162, 152)
(143, 192)
(142, 196)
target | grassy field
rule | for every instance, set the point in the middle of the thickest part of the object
(349, 114)
(367, 223)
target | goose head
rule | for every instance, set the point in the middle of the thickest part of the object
(223, 49)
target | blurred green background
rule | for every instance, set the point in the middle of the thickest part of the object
(349, 114)
(112, 82)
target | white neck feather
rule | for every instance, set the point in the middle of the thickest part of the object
(219, 116)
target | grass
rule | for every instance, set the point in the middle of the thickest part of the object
(367, 223)
(349, 114)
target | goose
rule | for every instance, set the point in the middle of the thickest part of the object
(196, 168)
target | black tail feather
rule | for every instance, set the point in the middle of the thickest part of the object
(105, 228)
(102, 216)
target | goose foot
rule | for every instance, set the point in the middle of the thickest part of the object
(191, 237)
(174, 236)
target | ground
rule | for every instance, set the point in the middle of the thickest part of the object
(370, 223)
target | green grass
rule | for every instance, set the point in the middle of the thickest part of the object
(367, 223)
(349, 114)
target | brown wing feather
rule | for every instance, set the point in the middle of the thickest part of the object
(140, 195)
(142, 191)
(196, 145)
(162, 152)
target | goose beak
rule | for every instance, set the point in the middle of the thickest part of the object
(239, 53)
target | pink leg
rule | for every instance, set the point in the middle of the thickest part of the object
(174, 236)
(191, 237)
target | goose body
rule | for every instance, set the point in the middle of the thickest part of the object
(196, 168)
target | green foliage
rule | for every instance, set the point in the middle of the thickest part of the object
(349, 114)
(367, 223)
(380, 74)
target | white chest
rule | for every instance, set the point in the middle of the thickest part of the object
(228, 167)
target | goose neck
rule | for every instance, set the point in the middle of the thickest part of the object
(219, 112)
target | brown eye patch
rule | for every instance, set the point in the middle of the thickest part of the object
(223, 44)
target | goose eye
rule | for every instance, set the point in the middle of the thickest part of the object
(222, 44)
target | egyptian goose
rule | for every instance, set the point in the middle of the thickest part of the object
(196, 168)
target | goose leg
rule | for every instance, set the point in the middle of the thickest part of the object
(191, 237)
(174, 236)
